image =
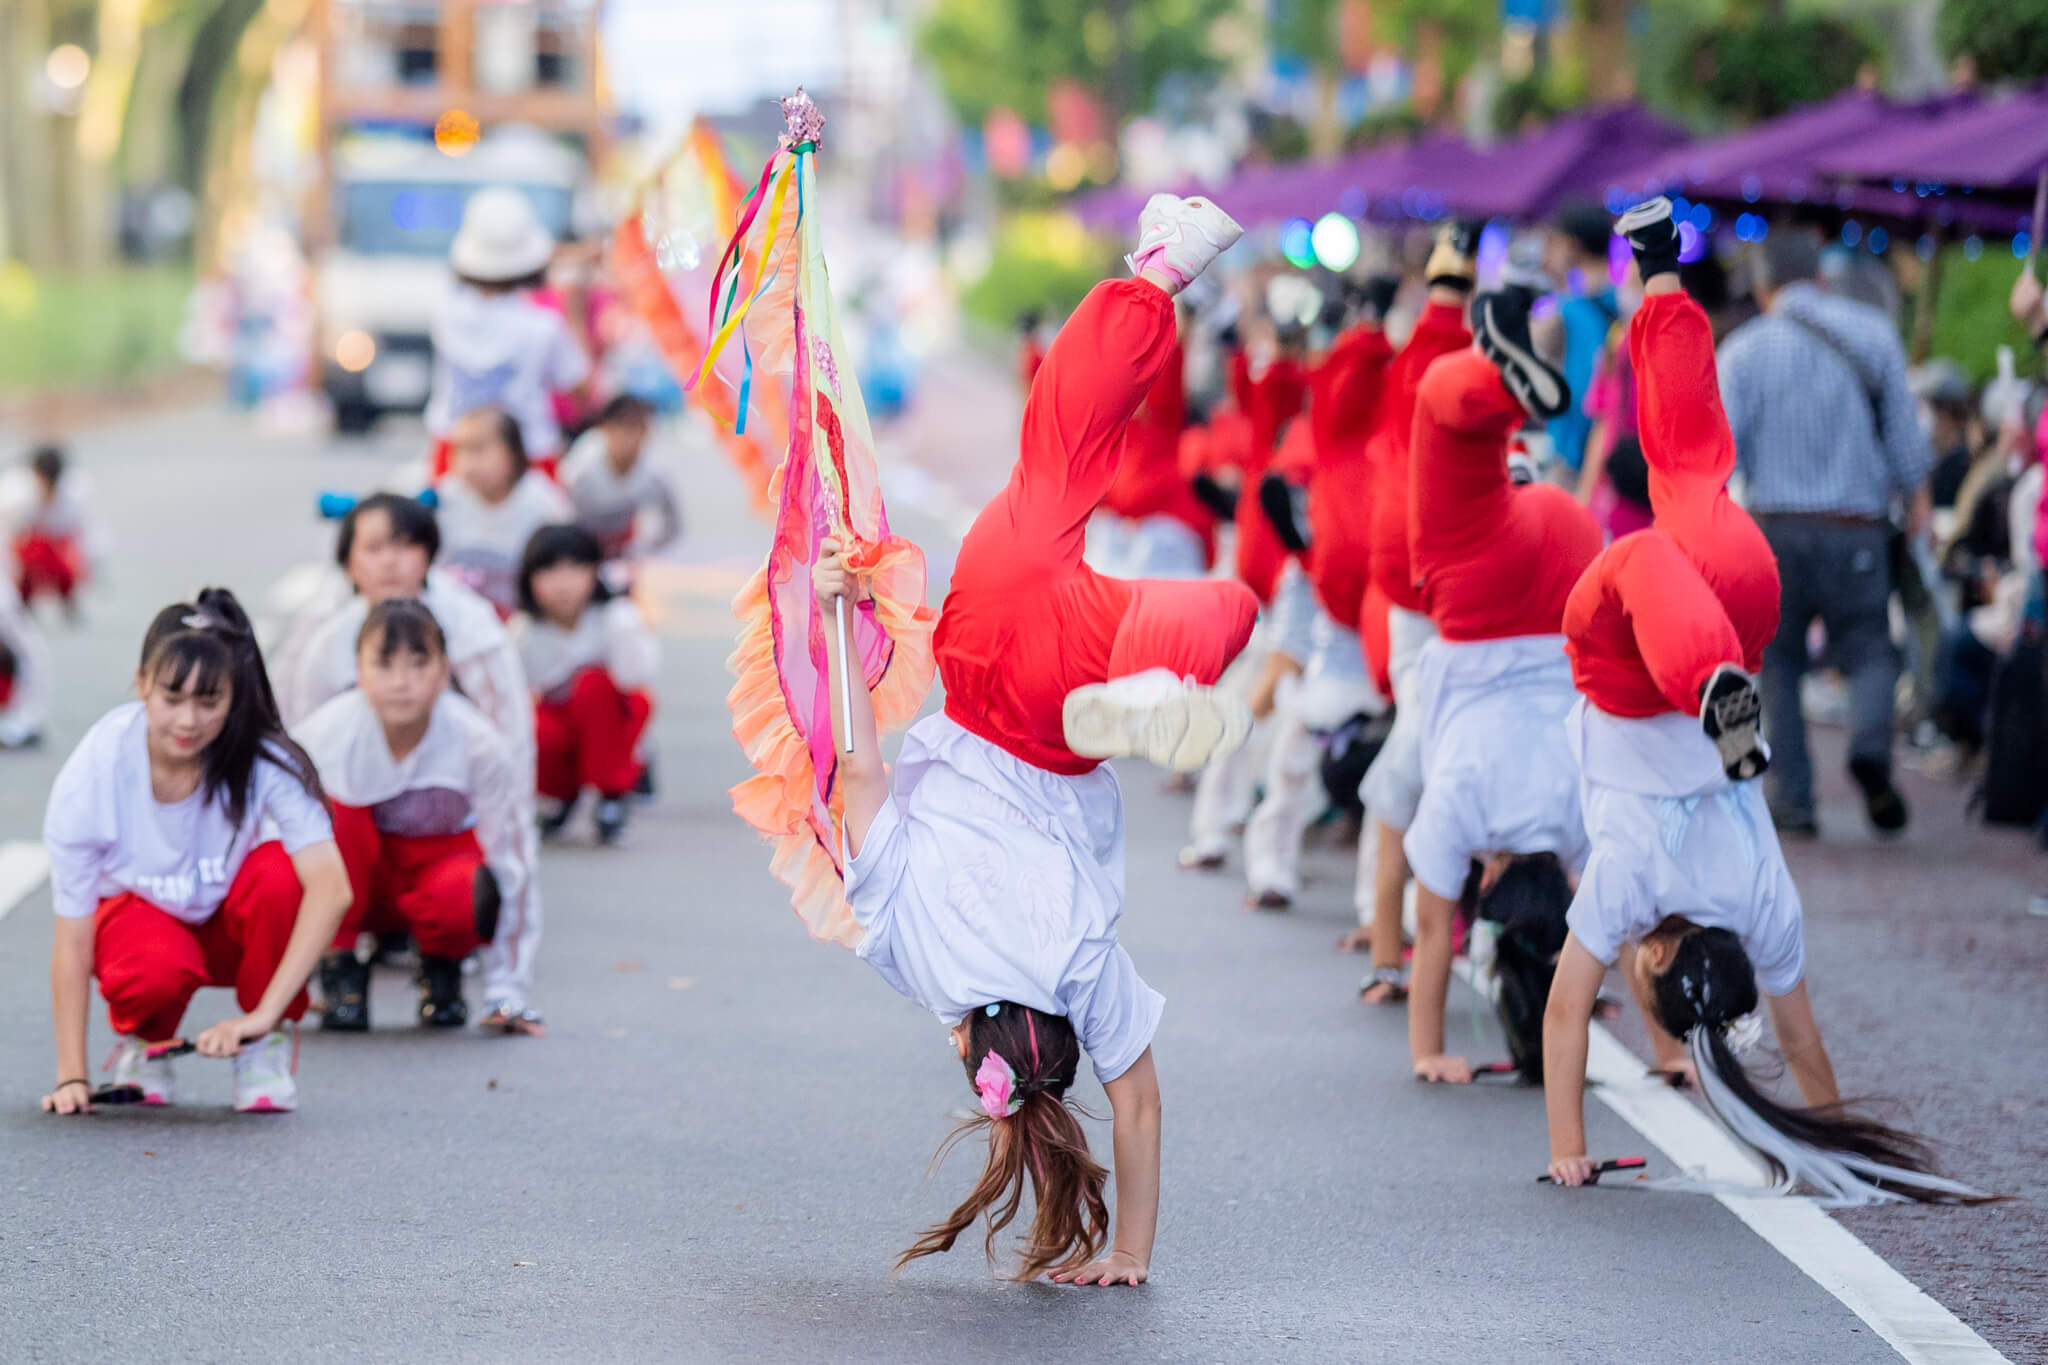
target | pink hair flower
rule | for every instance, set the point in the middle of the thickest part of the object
(996, 1083)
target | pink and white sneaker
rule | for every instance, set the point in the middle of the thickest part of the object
(1171, 721)
(263, 1075)
(1179, 237)
(141, 1075)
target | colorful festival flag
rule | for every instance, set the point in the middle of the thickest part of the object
(771, 291)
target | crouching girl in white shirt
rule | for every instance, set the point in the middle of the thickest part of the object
(427, 814)
(190, 846)
(590, 659)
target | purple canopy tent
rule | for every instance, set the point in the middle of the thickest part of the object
(1992, 144)
(1434, 174)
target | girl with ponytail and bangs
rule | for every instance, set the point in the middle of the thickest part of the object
(190, 845)
(987, 879)
(1687, 888)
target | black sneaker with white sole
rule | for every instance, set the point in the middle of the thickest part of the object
(1652, 235)
(344, 993)
(1730, 708)
(1500, 323)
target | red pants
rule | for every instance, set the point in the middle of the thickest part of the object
(47, 564)
(1493, 560)
(590, 739)
(1438, 332)
(1026, 622)
(425, 884)
(1661, 609)
(150, 963)
(1344, 397)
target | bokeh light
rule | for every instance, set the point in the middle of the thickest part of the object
(1297, 242)
(354, 351)
(1334, 241)
(67, 66)
(456, 132)
(1878, 240)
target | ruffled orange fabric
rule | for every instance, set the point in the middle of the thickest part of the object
(780, 802)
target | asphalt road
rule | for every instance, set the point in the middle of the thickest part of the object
(722, 1142)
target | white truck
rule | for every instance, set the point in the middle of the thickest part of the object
(396, 206)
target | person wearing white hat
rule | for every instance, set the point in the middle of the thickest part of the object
(493, 345)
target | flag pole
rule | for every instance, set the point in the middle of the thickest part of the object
(845, 681)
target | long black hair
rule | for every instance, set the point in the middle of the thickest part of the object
(1708, 986)
(199, 646)
(1528, 901)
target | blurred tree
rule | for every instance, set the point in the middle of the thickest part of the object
(2007, 39)
(997, 54)
(1762, 61)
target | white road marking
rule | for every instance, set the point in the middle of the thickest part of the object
(1917, 1327)
(23, 865)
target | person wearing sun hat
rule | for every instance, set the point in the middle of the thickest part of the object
(494, 346)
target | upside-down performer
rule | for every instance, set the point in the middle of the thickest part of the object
(1495, 562)
(989, 883)
(1686, 885)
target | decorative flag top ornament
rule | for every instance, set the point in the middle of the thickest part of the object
(826, 487)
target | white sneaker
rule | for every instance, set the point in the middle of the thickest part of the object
(1181, 236)
(263, 1075)
(1731, 712)
(133, 1066)
(1156, 716)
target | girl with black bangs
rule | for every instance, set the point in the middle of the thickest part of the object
(427, 812)
(161, 875)
(591, 660)
(386, 549)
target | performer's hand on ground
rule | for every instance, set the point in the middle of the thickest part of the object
(225, 1039)
(1451, 1070)
(1119, 1267)
(832, 580)
(1678, 1072)
(1359, 940)
(1571, 1170)
(72, 1097)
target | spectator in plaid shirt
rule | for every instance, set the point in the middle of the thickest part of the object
(1828, 440)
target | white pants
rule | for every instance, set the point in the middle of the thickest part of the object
(1152, 547)
(1223, 793)
(1393, 785)
(1333, 687)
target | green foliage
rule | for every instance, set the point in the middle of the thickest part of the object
(1521, 101)
(1382, 125)
(1280, 137)
(1041, 261)
(100, 328)
(1971, 319)
(2008, 39)
(993, 54)
(1768, 65)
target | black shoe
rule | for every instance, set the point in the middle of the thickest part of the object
(1453, 262)
(1500, 321)
(1796, 824)
(1286, 507)
(1652, 236)
(553, 822)
(1881, 800)
(485, 900)
(611, 820)
(1214, 496)
(441, 992)
(1729, 710)
(344, 993)
(643, 785)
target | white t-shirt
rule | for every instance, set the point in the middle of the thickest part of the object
(107, 834)
(1498, 771)
(460, 776)
(507, 351)
(985, 879)
(1671, 835)
(611, 637)
(608, 503)
(481, 542)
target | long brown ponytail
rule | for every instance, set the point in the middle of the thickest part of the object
(1042, 1141)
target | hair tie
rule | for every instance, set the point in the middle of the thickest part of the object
(1743, 1033)
(996, 1083)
